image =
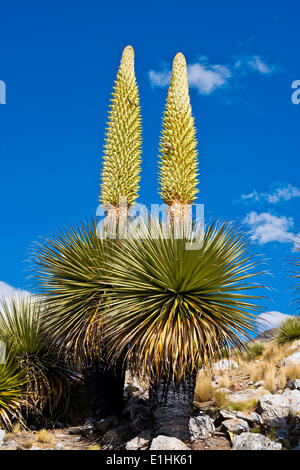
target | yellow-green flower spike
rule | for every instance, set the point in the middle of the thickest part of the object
(122, 150)
(178, 154)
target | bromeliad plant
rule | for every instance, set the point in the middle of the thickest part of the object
(170, 310)
(69, 269)
(150, 301)
(48, 380)
(13, 383)
(71, 263)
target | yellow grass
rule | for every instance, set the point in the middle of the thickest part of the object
(44, 437)
(17, 429)
(281, 378)
(292, 372)
(203, 389)
(269, 379)
(94, 447)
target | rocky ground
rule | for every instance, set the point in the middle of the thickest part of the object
(241, 404)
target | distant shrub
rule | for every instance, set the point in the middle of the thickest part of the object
(255, 350)
(289, 330)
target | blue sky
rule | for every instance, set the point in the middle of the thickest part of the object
(58, 61)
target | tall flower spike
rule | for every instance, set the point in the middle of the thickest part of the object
(122, 150)
(178, 154)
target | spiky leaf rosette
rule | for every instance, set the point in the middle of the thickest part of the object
(68, 269)
(171, 309)
(21, 329)
(178, 154)
(289, 330)
(122, 150)
(12, 392)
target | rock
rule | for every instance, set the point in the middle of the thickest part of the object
(167, 443)
(138, 413)
(106, 423)
(236, 426)
(254, 441)
(245, 395)
(260, 383)
(201, 427)
(297, 446)
(294, 359)
(140, 442)
(251, 417)
(225, 364)
(276, 409)
(76, 430)
(35, 448)
(295, 345)
(59, 446)
(294, 384)
(227, 414)
(2, 436)
(115, 437)
(266, 335)
(87, 429)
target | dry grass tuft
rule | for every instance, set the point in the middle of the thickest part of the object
(203, 389)
(44, 437)
(292, 372)
(16, 430)
(281, 378)
(220, 398)
(269, 378)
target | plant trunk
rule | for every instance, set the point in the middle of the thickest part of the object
(104, 385)
(171, 406)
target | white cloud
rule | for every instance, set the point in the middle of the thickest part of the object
(7, 291)
(271, 319)
(281, 193)
(159, 78)
(266, 227)
(207, 78)
(255, 63)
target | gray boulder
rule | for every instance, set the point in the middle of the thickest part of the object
(225, 364)
(59, 446)
(201, 427)
(294, 359)
(294, 384)
(106, 423)
(2, 436)
(253, 441)
(168, 443)
(276, 409)
(140, 442)
(236, 426)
